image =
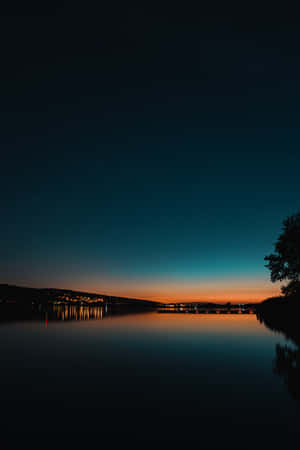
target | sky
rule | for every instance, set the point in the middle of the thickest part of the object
(147, 150)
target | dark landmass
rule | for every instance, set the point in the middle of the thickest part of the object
(24, 297)
(282, 314)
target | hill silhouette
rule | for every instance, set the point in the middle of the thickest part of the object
(25, 296)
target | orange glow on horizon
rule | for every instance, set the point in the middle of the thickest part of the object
(221, 291)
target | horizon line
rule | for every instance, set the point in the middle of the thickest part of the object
(153, 299)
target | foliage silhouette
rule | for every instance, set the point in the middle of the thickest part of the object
(284, 264)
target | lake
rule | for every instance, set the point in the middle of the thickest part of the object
(86, 378)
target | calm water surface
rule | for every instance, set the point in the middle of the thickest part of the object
(149, 378)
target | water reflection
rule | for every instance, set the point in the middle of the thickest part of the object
(287, 365)
(72, 312)
(143, 376)
(287, 356)
(64, 312)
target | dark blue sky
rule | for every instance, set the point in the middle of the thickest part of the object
(147, 151)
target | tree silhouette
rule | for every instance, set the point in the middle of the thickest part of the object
(284, 264)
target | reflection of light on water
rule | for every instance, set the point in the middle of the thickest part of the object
(72, 312)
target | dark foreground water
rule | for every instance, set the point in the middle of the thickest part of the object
(86, 379)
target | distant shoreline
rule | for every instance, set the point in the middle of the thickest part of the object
(22, 295)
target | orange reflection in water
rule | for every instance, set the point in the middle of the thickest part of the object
(214, 323)
(162, 323)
